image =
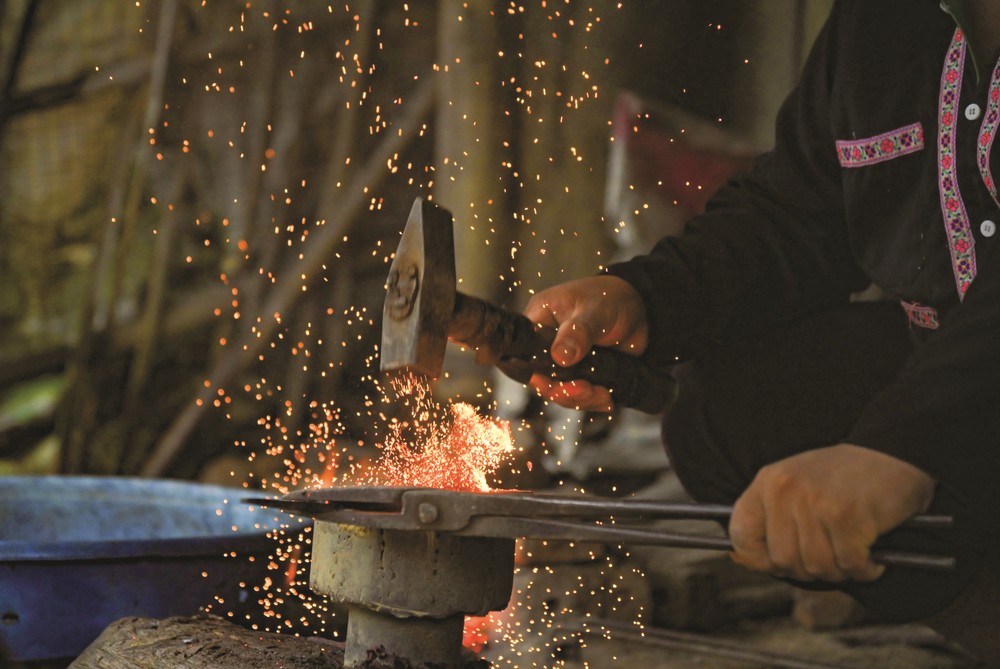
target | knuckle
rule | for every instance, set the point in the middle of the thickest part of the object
(538, 305)
(784, 559)
(854, 560)
(779, 481)
(838, 513)
(580, 329)
(751, 561)
(740, 539)
(741, 533)
(823, 569)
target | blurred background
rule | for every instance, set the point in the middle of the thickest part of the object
(199, 199)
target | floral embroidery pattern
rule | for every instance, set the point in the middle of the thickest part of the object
(987, 133)
(888, 145)
(956, 219)
(921, 315)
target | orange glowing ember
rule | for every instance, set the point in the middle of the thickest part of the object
(445, 446)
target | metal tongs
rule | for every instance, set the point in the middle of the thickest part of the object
(517, 514)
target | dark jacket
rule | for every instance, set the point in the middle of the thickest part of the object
(881, 173)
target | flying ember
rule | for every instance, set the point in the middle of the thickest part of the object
(446, 446)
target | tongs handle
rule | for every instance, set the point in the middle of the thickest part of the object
(541, 516)
(569, 530)
(552, 506)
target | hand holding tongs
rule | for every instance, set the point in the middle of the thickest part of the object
(541, 516)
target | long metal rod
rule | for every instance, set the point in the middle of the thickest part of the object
(516, 514)
(527, 505)
(574, 531)
(700, 644)
(581, 507)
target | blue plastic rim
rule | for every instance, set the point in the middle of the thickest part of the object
(78, 553)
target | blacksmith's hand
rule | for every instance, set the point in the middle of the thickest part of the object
(594, 311)
(815, 515)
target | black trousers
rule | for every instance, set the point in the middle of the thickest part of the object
(760, 398)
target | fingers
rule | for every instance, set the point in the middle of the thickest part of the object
(575, 335)
(573, 340)
(600, 310)
(818, 560)
(854, 558)
(784, 527)
(579, 395)
(766, 540)
(748, 533)
(596, 311)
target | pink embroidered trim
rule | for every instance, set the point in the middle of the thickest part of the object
(988, 132)
(888, 145)
(921, 315)
(956, 219)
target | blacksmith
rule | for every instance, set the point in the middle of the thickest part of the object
(828, 421)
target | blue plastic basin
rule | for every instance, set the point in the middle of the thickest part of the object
(77, 553)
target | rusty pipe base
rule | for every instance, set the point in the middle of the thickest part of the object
(409, 591)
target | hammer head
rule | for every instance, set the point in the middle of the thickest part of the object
(420, 293)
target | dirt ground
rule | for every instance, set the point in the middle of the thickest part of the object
(883, 647)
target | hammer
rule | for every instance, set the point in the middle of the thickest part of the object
(423, 310)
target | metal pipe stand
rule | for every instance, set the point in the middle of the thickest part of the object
(409, 591)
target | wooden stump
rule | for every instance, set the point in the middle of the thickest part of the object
(203, 642)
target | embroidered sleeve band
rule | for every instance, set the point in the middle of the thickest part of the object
(921, 315)
(888, 145)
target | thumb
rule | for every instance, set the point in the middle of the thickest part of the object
(573, 341)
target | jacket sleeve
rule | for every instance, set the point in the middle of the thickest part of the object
(772, 243)
(942, 413)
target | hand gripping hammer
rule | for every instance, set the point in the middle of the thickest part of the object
(423, 310)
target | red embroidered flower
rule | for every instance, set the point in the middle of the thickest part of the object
(946, 162)
(951, 76)
(951, 204)
(947, 118)
(856, 153)
(995, 94)
(887, 145)
(984, 139)
(961, 246)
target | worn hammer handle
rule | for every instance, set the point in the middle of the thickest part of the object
(520, 348)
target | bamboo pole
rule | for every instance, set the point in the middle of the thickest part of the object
(471, 145)
(564, 152)
(468, 144)
(77, 415)
(9, 81)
